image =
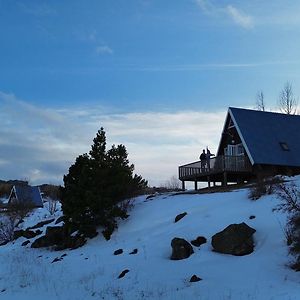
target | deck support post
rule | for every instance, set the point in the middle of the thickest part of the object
(208, 181)
(196, 185)
(225, 178)
(183, 185)
(214, 183)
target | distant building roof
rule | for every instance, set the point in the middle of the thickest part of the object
(269, 138)
(27, 194)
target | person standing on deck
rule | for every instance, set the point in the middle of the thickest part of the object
(202, 160)
(208, 156)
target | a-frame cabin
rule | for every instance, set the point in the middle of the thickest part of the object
(253, 144)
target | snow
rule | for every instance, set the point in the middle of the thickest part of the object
(91, 272)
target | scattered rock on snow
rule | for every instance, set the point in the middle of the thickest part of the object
(118, 252)
(235, 239)
(181, 249)
(134, 251)
(195, 278)
(123, 273)
(252, 217)
(56, 259)
(28, 234)
(199, 241)
(180, 216)
(41, 224)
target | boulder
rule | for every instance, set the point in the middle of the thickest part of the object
(180, 216)
(41, 224)
(235, 239)
(28, 234)
(199, 241)
(181, 249)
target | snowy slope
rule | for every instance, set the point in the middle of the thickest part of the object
(91, 272)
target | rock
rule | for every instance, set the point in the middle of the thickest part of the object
(252, 217)
(28, 234)
(63, 255)
(3, 290)
(123, 273)
(41, 224)
(199, 241)
(56, 259)
(181, 249)
(134, 251)
(25, 243)
(235, 239)
(54, 236)
(4, 243)
(180, 216)
(89, 231)
(118, 252)
(195, 278)
(60, 219)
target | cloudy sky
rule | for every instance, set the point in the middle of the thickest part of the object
(157, 75)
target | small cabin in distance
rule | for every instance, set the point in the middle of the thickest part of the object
(26, 195)
(253, 144)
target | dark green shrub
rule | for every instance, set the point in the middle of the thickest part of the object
(96, 185)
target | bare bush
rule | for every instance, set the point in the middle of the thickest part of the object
(289, 194)
(172, 184)
(264, 186)
(52, 205)
(7, 226)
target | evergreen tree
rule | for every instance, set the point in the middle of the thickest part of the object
(96, 184)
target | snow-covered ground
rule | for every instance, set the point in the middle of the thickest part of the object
(91, 272)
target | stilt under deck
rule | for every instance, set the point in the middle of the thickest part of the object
(224, 169)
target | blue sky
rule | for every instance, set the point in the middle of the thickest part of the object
(168, 69)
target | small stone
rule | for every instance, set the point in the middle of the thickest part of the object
(195, 278)
(25, 243)
(199, 241)
(180, 216)
(3, 290)
(65, 254)
(252, 217)
(118, 252)
(134, 251)
(56, 259)
(123, 273)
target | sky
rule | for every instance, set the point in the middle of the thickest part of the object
(157, 75)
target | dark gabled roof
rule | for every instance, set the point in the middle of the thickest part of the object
(28, 194)
(269, 138)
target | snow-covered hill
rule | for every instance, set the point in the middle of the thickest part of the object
(91, 272)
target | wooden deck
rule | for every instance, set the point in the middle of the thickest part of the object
(234, 168)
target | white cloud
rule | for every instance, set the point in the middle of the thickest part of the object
(40, 144)
(104, 50)
(240, 17)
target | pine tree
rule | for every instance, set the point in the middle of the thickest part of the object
(96, 184)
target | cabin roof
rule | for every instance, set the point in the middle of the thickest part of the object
(27, 193)
(269, 138)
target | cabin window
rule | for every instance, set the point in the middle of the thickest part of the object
(284, 146)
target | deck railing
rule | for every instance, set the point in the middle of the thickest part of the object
(216, 165)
